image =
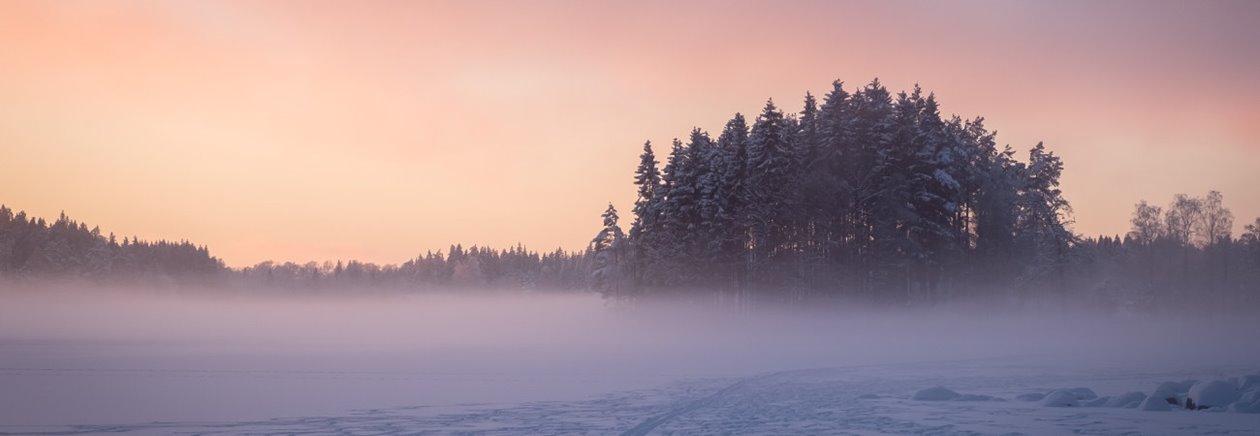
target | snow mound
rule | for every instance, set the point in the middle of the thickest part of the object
(1031, 396)
(978, 397)
(1249, 403)
(938, 393)
(1250, 382)
(1173, 393)
(1127, 400)
(1071, 397)
(1155, 403)
(1097, 402)
(1060, 398)
(1214, 393)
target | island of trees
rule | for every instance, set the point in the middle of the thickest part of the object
(873, 196)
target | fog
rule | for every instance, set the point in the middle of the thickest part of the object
(84, 356)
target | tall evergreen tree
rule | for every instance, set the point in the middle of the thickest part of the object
(609, 247)
(771, 169)
(732, 197)
(646, 233)
(1042, 225)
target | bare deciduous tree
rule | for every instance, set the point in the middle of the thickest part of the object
(1182, 217)
(1147, 225)
(1216, 222)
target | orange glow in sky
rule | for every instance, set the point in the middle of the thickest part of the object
(306, 130)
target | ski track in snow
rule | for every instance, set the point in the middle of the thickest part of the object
(811, 401)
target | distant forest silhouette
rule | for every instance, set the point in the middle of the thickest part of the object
(32, 249)
(866, 196)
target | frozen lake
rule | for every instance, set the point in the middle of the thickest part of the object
(74, 364)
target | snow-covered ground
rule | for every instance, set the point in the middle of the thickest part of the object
(554, 365)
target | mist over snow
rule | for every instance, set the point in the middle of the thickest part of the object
(87, 357)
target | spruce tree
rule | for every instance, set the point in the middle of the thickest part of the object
(771, 169)
(645, 233)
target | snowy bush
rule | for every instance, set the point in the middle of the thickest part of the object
(1214, 393)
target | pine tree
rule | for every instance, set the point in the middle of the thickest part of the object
(879, 187)
(832, 176)
(704, 241)
(810, 221)
(771, 169)
(732, 198)
(646, 234)
(935, 197)
(1042, 224)
(609, 247)
(680, 216)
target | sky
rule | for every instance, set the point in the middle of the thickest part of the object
(311, 130)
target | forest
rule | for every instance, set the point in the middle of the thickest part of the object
(863, 196)
(877, 197)
(32, 249)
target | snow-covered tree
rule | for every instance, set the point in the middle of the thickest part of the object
(1044, 216)
(647, 237)
(732, 197)
(608, 273)
(771, 169)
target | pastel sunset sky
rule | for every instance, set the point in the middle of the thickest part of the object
(376, 130)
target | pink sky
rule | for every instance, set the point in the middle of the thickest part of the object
(311, 130)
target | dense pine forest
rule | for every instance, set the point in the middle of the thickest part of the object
(874, 196)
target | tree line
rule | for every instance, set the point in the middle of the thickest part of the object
(33, 249)
(458, 268)
(865, 195)
(1179, 255)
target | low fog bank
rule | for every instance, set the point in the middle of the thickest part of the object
(124, 356)
(554, 333)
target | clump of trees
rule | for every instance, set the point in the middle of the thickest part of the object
(1179, 255)
(877, 197)
(865, 194)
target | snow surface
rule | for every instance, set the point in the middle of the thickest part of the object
(936, 393)
(560, 367)
(815, 401)
(1214, 393)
